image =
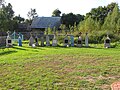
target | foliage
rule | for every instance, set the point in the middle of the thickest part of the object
(100, 13)
(70, 19)
(6, 16)
(102, 19)
(56, 13)
(19, 19)
(31, 15)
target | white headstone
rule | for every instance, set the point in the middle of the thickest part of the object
(86, 40)
(54, 42)
(8, 40)
(31, 41)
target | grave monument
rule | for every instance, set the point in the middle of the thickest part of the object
(107, 42)
(42, 41)
(66, 41)
(19, 40)
(86, 40)
(31, 40)
(47, 40)
(54, 42)
(79, 42)
(72, 40)
(36, 40)
(8, 40)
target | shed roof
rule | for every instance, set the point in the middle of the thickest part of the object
(45, 22)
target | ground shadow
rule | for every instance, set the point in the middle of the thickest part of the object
(7, 52)
(19, 48)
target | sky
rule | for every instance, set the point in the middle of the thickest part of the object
(46, 7)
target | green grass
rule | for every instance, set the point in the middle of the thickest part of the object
(59, 68)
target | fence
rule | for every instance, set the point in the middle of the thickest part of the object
(3, 40)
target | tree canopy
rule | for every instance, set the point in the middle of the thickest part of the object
(70, 18)
(56, 13)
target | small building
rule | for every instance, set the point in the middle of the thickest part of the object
(39, 24)
(23, 27)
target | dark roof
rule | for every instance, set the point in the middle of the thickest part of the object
(45, 22)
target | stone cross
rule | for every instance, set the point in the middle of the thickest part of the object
(36, 40)
(86, 40)
(8, 40)
(47, 40)
(54, 42)
(19, 40)
(42, 41)
(31, 40)
(72, 40)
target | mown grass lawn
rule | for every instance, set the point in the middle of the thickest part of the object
(58, 68)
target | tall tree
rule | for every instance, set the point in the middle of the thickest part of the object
(70, 19)
(6, 15)
(32, 14)
(19, 19)
(111, 20)
(101, 13)
(56, 13)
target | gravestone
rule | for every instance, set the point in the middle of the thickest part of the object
(8, 40)
(36, 41)
(31, 40)
(54, 42)
(19, 40)
(72, 40)
(107, 42)
(86, 40)
(66, 41)
(79, 42)
(42, 41)
(47, 40)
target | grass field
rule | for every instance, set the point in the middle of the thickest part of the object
(58, 68)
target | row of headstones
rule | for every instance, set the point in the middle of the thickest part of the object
(67, 42)
(31, 41)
